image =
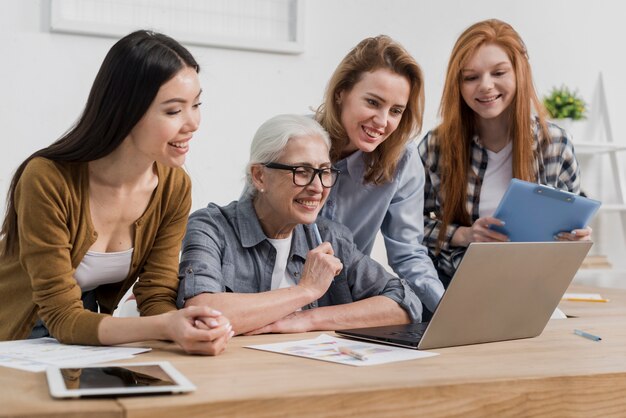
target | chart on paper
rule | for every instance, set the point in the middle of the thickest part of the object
(328, 348)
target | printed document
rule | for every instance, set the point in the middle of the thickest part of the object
(37, 354)
(329, 348)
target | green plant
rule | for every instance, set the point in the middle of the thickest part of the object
(564, 103)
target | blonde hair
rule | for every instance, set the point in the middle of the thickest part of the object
(371, 54)
(458, 121)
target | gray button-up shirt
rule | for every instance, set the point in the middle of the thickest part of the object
(225, 250)
(394, 208)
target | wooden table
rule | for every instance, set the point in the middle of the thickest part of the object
(616, 305)
(555, 374)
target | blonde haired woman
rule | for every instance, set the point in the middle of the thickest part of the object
(493, 129)
(372, 110)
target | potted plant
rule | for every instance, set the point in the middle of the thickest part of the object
(566, 108)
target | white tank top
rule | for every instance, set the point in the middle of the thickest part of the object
(497, 178)
(103, 268)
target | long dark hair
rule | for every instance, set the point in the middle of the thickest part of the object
(126, 84)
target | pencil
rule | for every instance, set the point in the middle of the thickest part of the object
(585, 300)
(316, 231)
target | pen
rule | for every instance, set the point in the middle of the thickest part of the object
(587, 335)
(585, 300)
(316, 231)
(354, 354)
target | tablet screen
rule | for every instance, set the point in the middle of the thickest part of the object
(116, 380)
(115, 377)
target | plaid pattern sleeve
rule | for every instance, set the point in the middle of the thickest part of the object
(429, 153)
(555, 162)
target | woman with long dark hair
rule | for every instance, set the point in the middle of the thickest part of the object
(107, 204)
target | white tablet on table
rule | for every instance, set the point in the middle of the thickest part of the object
(113, 380)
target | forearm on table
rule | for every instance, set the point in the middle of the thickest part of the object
(371, 312)
(250, 311)
(113, 330)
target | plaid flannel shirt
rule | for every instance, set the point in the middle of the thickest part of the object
(555, 165)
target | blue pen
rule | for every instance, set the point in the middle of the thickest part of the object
(587, 335)
(318, 237)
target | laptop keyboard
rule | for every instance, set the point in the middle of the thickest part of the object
(416, 332)
(411, 334)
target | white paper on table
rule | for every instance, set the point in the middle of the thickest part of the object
(38, 354)
(595, 296)
(558, 314)
(326, 348)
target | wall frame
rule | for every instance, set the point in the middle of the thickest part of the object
(258, 25)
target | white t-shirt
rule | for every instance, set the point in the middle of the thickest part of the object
(497, 178)
(102, 268)
(280, 276)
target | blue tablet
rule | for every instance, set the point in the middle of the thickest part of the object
(532, 212)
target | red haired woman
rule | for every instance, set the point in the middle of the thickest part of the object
(493, 129)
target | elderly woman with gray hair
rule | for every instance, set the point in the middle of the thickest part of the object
(260, 261)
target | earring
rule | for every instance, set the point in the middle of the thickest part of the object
(262, 190)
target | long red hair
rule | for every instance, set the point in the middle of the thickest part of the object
(458, 121)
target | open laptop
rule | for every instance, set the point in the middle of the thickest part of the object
(501, 291)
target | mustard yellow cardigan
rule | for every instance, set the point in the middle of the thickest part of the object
(55, 232)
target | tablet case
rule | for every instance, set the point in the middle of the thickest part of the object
(533, 212)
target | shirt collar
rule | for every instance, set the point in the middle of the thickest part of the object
(302, 241)
(251, 233)
(536, 128)
(476, 140)
(353, 165)
(248, 225)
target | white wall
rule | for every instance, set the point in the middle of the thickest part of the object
(46, 77)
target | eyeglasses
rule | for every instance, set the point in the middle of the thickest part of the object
(304, 175)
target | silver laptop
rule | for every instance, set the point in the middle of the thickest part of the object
(501, 291)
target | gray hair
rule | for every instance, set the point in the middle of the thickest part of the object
(271, 139)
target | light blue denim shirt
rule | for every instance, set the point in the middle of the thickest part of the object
(225, 250)
(394, 208)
